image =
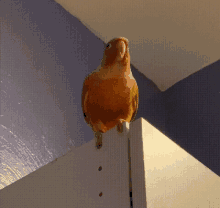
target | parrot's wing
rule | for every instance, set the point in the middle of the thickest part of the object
(85, 94)
(135, 101)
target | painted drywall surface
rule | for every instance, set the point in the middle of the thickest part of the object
(35, 87)
(169, 40)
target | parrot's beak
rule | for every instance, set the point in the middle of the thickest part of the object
(116, 51)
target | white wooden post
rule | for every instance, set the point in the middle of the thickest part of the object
(163, 175)
(85, 177)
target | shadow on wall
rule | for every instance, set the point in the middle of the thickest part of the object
(46, 53)
(193, 115)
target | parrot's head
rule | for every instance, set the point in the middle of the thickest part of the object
(116, 52)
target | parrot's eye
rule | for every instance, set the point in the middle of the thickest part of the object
(108, 46)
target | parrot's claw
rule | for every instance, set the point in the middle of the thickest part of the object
(120, 125)
(98, 136)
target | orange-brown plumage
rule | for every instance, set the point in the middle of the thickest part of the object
(110, 93)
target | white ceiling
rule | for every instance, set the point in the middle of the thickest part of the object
(169, 39)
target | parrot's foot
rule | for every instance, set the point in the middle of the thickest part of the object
(98, 136)
(120, 125)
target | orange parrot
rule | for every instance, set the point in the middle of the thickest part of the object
(110, 93)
